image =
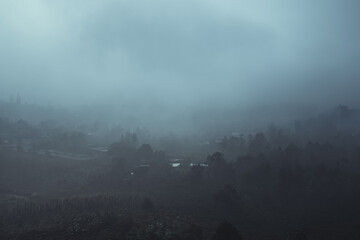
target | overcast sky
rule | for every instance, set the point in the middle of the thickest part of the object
(189, 52)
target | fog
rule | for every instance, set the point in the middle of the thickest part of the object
(172, 59)
(174, 120)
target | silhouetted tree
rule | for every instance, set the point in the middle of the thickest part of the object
(292, 151)
(145, 152)
(18, 99)
(258, 145)
(216, 159)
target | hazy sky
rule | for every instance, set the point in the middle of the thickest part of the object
(189, 52)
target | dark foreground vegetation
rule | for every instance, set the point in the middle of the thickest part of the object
(298, 182)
